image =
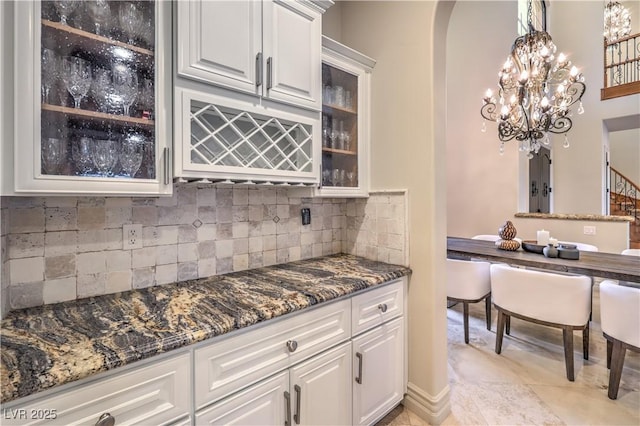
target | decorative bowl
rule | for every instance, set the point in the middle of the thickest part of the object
(532, 247)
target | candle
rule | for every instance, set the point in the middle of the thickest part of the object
(553, 241)
(543, 238)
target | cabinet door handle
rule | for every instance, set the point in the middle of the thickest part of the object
(383, 307)
(292, 345)
(287, 408)
(269, 72)
(359, 376)
(106, 420)
(167, 166)
(259, 69)
(296, 416)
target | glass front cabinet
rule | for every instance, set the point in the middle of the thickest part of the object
(345, 121)
(92, 81)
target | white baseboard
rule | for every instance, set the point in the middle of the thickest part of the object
(432, 409)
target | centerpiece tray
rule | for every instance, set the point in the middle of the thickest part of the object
(531, 246)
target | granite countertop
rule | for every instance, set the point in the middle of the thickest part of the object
(564, 216)
(55, 344)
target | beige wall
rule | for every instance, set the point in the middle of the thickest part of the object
(405, 125)
(482, 186)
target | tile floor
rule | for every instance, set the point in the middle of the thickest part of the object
(526, 384)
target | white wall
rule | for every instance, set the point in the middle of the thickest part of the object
(625, 153)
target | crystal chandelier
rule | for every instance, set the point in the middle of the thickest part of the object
(537, 88)
(617, 21)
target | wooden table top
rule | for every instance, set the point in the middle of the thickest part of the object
(595, 264)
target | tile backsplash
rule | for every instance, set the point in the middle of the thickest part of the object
(63, 248)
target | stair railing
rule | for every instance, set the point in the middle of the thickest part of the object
(626, 193)
(621, 67)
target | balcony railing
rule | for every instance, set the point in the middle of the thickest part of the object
(621, 67)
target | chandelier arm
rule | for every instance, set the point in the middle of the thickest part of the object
(561, 125)
(489, 111)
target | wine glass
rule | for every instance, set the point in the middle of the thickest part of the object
(147, 95)
(131, 153)
(53, 155)
(100, 12)
(65, 8)
(50, 67)
(76, 74)
(81, 153)
(125, 83)
(131, 19)
(105, 155)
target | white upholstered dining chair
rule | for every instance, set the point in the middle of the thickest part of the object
(631, 252)
(581, 246)
(554, 300)
(620, 320)
(469, 282)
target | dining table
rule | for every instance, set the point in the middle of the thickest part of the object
(595, 264)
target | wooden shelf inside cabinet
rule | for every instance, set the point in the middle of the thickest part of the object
(56, 34)
(339, 151)
(98, 116)
(329, 108)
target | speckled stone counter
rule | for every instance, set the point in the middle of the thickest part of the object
(55, 344)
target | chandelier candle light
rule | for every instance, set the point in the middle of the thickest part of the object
(537, 88)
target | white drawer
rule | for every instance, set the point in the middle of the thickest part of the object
(227, 365)
(377, 306)
(156, 394)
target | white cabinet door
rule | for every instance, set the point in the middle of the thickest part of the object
(321, 389)
(378, 362)
(218, 42)
(266, 403)
(292, 50)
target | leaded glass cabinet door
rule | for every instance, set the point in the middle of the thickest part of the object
(227, 139)
(345, 121)
(92, 111)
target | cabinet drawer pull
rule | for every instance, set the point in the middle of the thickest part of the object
(269, 72)
(106, 420)
(359, 376)
(296, 416)
(259, 69)
(383, 307)
(287, 408)
(292, 345)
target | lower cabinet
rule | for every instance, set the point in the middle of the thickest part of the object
(317, 391)
(378, 357)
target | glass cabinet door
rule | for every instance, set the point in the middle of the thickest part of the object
(99, 86)
(346, 86)
(339, 128)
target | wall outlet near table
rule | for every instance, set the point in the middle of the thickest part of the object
(131, 236)
(589, 230)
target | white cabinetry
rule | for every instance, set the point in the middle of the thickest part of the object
(158, 393)
(316, 391)
(91, 103)
(270, 48)
(346, 76)
(378, 354)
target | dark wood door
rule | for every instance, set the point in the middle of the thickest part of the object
(540, 182)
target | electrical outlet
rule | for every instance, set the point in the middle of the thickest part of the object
(132, 236)
(589, 230)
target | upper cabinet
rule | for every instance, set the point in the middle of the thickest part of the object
(268, 48)
(346, 76)
(92, 98)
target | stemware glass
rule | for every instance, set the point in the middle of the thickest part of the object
(147, 95)
(53, 155)
(50, 72)
(131, 153)
(65, 8)
(100, 12)
(105, 155)
(125, 83)
(131, 19)
(76, 74)
(82, 156)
